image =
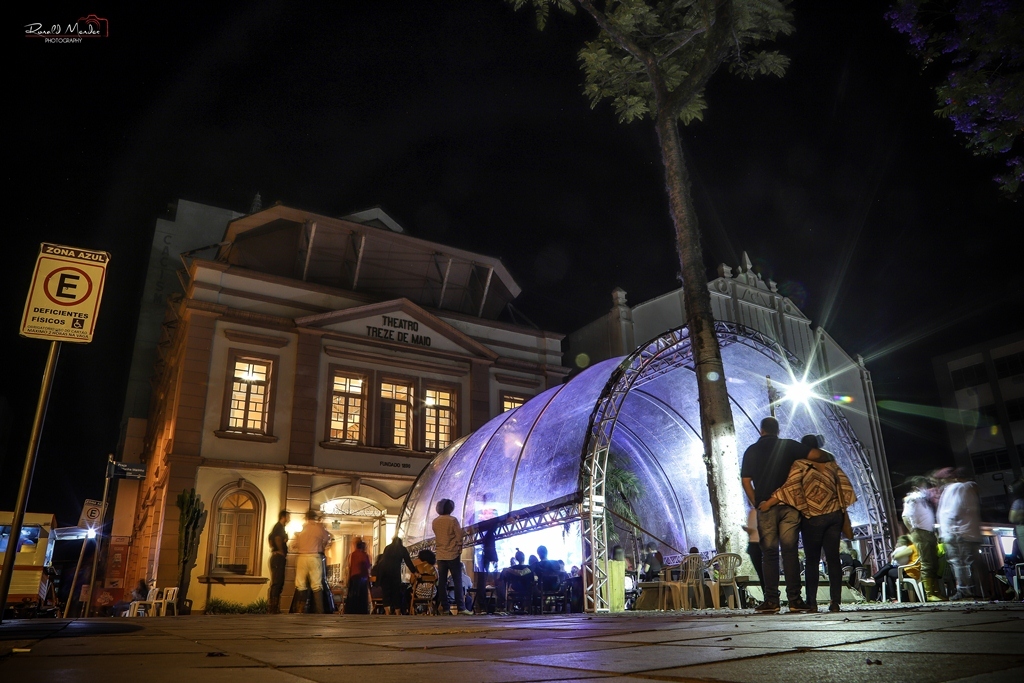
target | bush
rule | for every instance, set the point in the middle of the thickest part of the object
(218, 606)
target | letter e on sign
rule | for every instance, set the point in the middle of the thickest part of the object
(64, 297)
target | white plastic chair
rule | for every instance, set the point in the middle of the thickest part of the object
(911, 583)
(144, 606)
(691, 578)
(168, 601)
(725, 576)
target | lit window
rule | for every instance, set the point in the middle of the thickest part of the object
(236, 531)
(511, 401)
(395, 411)
(439, 419)
(347, 404)
(247, 412)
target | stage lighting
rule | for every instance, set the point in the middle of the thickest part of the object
(800, 392)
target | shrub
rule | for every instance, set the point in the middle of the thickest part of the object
(218, 606)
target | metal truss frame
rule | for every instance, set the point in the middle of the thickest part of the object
(558, 512)
(667, 352)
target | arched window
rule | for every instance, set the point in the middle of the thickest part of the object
(239, 520)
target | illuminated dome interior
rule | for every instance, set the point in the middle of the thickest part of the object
(533, 455)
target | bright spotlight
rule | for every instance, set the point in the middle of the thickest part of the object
(800, 392)
(429, 401)
(90, 533)
(293, 527)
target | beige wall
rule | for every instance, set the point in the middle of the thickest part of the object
(210, 481)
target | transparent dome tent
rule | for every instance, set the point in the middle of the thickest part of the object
(540, 470)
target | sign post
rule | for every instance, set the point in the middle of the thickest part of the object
(62, 305)
(99, 536)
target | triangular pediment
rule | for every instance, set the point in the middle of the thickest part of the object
(398, 321)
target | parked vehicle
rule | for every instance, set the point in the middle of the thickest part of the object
(32, 590)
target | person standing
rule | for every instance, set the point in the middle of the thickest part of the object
(278, 560)
(919, 519)
(765, 468)
(1016, 517)
(754, 545)
(821, 492)
(389, 575)
(488, 557)
(448, 546)
(959, 518)
(309, 544)
(357, 599)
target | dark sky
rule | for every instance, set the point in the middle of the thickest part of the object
(468, 126)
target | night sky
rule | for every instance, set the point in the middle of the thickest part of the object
(468, 126)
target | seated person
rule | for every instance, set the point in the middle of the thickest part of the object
(904, 553)
(848, 558)
(424, 581)
(652, 563)
(519, 578)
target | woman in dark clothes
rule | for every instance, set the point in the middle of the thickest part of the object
(389, 576)
(358, 599)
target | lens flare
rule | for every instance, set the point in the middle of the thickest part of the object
(842, 399)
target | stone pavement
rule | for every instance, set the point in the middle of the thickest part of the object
(947, 642)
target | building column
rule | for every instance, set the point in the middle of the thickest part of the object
(303, 438)
(298, 498)
(479, 395)
(620, 322)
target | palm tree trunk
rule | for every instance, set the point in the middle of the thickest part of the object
(720, 453)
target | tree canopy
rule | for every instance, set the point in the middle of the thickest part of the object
(980, 44)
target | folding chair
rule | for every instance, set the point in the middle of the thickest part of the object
(724, 577)
(424, 594)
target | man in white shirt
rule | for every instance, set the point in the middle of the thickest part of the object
(959, 517)
(309, 544)
(919, 518)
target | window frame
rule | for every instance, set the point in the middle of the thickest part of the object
(454, 390)
(502, 395)
(257, 535)
(412, 441)
(234, 355)
(369, 414)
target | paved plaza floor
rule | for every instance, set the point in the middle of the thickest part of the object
(948, 642)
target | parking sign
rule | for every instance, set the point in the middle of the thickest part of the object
(65, 294)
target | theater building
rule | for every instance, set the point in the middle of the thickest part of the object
(314, 362)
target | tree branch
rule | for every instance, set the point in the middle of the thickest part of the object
(682, 43)
(714, 54)
(623, 40)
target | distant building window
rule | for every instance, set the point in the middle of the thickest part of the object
(1011, 365)
(248, 407)
(512, 401)
(971, 376)
(237, 515)
(1015, 409)
(438, 418)
(991, 461)
(348, 407)
(395, 414)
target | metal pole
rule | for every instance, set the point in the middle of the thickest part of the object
(99, 536)
(74, 577)
(26, 475)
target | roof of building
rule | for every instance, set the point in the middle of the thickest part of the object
(368, 252)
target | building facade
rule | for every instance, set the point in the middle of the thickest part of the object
(745, 298)
(982, 393)
(315, 362)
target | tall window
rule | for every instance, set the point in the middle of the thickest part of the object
(439, 418)
(347, 408)
(510, 401)
(236, 533)
(395, 414)
(250, 385)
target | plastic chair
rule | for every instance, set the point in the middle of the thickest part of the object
(691, 578)
(911, 583)
(724, 577)
(146, 606)
(168, 602)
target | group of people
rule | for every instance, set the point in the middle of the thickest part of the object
(946, 501)
(796, 490)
